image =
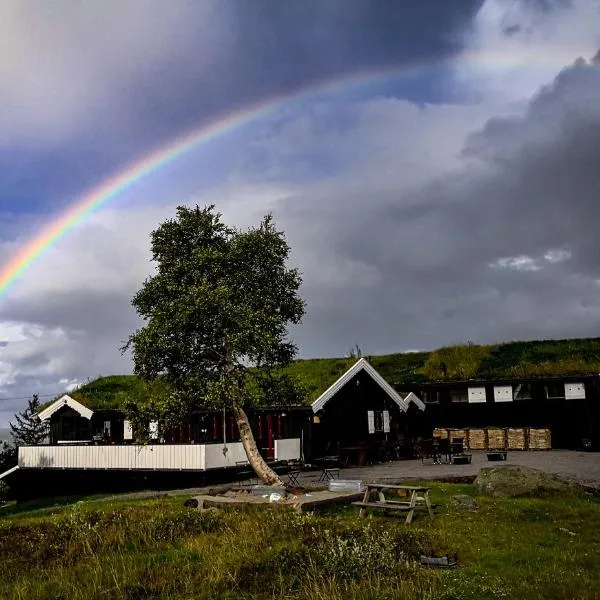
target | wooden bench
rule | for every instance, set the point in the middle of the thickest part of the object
(419, 498)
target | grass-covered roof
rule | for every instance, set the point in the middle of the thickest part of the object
(469, 361)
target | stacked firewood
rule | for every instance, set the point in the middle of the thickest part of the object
(477, 439)
(440, 433)
(517, 438)
(540, 439)
(496, 438)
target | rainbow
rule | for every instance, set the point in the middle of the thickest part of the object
(111, 188)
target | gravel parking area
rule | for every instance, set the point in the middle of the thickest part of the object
(583, 467)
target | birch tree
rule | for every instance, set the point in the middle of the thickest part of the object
(216, 315)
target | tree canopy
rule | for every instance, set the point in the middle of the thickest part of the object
(216, 314)
(28, 429)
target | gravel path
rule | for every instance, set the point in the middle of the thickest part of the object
(582, 467)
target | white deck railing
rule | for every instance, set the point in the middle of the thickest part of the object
(160, 457)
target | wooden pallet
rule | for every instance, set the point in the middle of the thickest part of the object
(516, 438)
(539, 439)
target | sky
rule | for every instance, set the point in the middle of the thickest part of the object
(434, 166)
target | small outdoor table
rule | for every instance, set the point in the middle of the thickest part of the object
(419, 498)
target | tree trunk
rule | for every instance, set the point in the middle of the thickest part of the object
(264, 472)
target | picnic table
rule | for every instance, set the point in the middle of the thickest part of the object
(419, 498)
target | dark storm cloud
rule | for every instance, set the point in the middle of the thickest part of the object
(529, 186)
(212, 58)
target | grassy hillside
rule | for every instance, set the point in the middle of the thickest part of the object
(513, 359)
(534, 548)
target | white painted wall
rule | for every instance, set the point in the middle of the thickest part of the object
(187, 457)
(167, 457)
(288, 449)
(215, 459)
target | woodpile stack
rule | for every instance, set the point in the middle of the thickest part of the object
(459, 434)
(477, 439)
(517, 439)
(540, 439)
(440, 433)
(496, 438)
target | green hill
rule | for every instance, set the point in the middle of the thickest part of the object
(514, 359)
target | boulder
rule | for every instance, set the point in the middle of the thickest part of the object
(513, 481)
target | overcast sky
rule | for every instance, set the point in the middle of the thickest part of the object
(454, 199)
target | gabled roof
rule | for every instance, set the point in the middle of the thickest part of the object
(363, 365)
(412, 397)
(66, 401)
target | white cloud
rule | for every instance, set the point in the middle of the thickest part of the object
(518, 263)
(523, 262)
(516, 47)
(557, 255)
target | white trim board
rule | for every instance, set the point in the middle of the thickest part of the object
(412, 397)
(363, 365)
(3, 475)
(66, 400)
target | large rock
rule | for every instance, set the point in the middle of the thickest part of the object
(513, 481)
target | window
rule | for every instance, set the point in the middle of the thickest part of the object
(378, 421)
(430, 397)
(459, 395)
(555, 390)
(523, 391)
(107, 428)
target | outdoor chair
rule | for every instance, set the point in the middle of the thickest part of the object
(428, 449)
(292, 477)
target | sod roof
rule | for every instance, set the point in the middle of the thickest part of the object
(546, 358)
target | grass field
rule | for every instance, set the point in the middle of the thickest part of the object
(518, 548)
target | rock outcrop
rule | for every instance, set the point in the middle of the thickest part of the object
(514, 481)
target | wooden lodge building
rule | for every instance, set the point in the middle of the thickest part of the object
(360, 418)
(567, 407)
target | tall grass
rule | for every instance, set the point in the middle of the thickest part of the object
(521, 548)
